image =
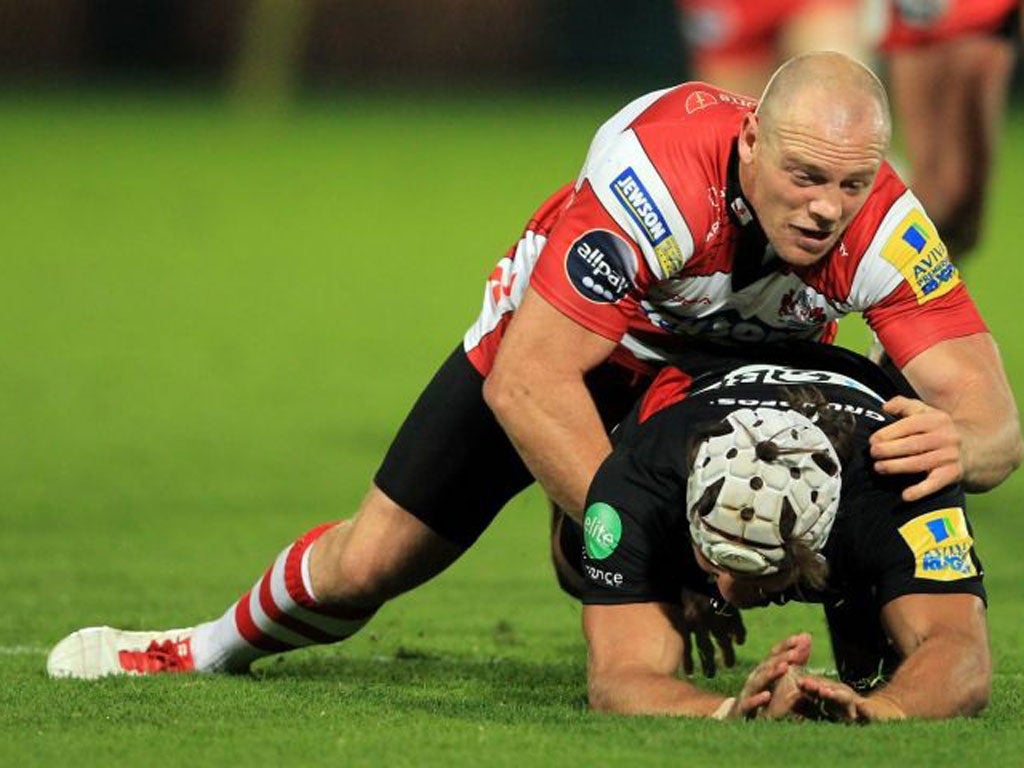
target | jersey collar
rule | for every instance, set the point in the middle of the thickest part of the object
(754, 257)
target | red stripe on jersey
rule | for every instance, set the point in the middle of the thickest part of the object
(482, 355)
(952, 316)
(961, 19)
(545, 217)
(254, 635)
(671, 386)
(828, 335)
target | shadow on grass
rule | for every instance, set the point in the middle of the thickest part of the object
(408, 680)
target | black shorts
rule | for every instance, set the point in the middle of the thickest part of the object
(451, 464)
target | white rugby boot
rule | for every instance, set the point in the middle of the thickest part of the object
(102, 651)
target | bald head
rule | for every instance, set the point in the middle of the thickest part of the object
(829, 94)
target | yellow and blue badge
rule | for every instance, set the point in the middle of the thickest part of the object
(941, 545)
(916, 250)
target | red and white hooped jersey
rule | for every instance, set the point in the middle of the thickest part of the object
(655, 243)
(908, 24)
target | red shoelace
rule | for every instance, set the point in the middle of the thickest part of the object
(167, 656)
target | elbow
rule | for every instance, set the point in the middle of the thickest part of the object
(974, 697)
(977, 693)
(599, 698)
(1017, 452)
(501, 395)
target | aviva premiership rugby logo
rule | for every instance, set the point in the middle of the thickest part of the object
(602, 529)
(941, 545)
(917, 252)
(640, 205)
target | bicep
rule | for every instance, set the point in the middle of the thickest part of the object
(543, 342)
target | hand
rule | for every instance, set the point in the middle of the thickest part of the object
(839, 702)
(924, 440)
(771, 678)
(702, 623)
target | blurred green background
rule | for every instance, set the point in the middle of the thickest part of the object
(220, 290)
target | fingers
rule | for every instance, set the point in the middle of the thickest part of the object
(724, 640)
(749, 706)
(935, 481)
(925, 441)
(706, 651)
(795, 649)
(688, 654)
(835, 700)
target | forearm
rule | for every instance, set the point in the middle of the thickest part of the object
(965, 379)
(556, 429)
(649, 693)
(991, 450)
(945, 677)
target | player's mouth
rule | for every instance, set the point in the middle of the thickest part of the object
(811, 239)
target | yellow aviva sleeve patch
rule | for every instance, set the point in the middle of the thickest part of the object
(915, 249)
(941, 545)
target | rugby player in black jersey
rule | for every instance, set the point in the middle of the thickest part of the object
(750, 479)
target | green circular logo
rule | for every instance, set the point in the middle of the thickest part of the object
(602, 529)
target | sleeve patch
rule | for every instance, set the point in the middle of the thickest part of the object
(639, 204)
(601, 266)
(915, 249)
(941, 545)
(602, 530)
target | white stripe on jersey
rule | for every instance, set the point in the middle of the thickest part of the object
(605, 137)
(510, 287)
(624, 154)
(876, 278)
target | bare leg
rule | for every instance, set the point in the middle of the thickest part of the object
(949, 101)
(828, 25)
(383, 552)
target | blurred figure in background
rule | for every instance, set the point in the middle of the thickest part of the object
(950, 63)
(737, 44)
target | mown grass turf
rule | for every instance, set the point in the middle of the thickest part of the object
(211, 328)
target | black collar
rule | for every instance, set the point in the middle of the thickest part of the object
(752, 260)
(740, 210)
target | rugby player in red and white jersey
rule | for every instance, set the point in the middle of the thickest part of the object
(950, 63)
(694, 217)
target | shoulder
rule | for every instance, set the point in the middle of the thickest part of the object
(655, 163)
(890, 242)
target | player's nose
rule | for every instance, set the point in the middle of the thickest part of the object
(826, 208)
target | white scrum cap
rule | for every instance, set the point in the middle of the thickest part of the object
(766, 477)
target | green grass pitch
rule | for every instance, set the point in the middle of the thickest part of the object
(210, 328)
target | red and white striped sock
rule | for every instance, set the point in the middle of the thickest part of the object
(280, 613)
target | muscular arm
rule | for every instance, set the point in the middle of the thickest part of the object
(946, 671)
(975, 436)
(537, 393)
(633, 654)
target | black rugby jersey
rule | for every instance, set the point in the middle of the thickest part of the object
(636, 534)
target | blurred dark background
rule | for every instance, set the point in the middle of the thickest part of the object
(320, 44)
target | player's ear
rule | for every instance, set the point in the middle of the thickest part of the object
(748, 137)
